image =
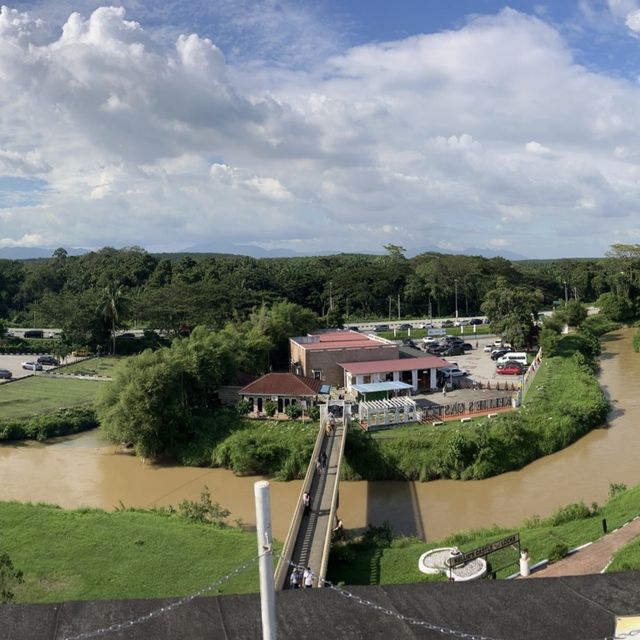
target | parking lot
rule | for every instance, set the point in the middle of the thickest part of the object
(14, 364)
(479, 363)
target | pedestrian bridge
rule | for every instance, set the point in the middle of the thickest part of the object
(308, 541)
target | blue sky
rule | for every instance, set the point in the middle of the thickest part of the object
(327, 125)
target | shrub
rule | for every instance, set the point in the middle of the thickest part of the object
(270, 408)
(616, 488)
(43, 426)
(558, 551)
(575, 511)
(293, 410)
(314, 413)
(244, 406)
(204, 510)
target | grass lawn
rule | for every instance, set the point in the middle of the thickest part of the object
(103, 366)
(92, 554)
(398, 564)
(39, 394)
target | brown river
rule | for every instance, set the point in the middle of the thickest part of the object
(83, 471)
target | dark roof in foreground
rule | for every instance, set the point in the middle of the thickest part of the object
(572, 608)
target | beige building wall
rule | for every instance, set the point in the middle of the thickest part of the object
(326, 361)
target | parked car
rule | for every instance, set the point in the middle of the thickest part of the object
(467, 346)
(381, 327)
(48, 360)
(408, 342)
(424, 325)
(80, 353)
(34, 333)
(429, 340)
(447, 324)
(5, 374)
(498, 353)
(510, 369)
(33, 366)
(488, 348)
(405, 326)
(476, 321)
(452, 372)
(453, 350)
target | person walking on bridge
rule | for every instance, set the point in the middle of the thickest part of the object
(306, 503)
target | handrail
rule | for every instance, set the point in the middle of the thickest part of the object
(280, 574)
(346, 422)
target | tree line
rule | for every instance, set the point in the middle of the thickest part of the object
(91, 295)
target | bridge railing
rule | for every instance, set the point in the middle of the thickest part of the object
(280, 574)
(346, 423)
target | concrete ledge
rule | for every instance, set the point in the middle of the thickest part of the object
(465, 419)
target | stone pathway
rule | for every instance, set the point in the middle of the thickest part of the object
(595, 557)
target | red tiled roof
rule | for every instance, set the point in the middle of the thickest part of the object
(342, 340)
(283, 384)
(386, 366)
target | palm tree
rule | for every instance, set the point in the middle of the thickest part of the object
(113, 304)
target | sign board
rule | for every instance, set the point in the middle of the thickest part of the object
(625, 625)
(436, 332)
(462, 558)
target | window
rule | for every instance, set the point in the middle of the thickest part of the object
(316, 374)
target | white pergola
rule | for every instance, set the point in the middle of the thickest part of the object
(381, 413)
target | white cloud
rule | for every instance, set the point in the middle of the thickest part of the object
(145, 141)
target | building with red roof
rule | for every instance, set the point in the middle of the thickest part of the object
(319, 355)
(420, 373)
(283, 389)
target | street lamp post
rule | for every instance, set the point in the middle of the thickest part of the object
(455, 283)
(566, 293)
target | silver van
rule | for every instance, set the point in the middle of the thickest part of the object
(514, 356)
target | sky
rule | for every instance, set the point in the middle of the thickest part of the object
(324, 125)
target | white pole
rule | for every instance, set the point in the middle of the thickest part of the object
(265, 551)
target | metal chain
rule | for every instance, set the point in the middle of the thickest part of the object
(162, 610)
(429, 625)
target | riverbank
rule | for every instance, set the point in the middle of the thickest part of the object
(380, 557)
(89, 554)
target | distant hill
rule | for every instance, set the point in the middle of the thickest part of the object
(35, 253)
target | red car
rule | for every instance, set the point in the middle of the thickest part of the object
(510, 370)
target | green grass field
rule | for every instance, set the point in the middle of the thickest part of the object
(39, 394)
(398, 564)
(91, 554)
(103, 366)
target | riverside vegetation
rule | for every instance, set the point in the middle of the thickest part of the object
(133, 553)
(380, 557)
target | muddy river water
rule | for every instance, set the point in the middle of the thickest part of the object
(83, 471)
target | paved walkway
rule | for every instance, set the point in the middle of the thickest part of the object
(595, 557)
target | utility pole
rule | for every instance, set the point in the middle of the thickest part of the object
(265, 553)
(398, 305)
(455, 283)
(389, 308)
(330, 295)
(566, 292)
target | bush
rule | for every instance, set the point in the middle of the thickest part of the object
(270, 408)
(575, 511)
(204, 510)
(558, 551)
(293, 410)
(244, 406)
(314, 413)
(44, 426)
(616, 488)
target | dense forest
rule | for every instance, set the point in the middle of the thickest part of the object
(90, 295)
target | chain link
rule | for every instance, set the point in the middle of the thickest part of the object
(162, 610)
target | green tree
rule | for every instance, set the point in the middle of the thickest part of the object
(616, 307)
(113, 304)
(572, 313)
(511, 312)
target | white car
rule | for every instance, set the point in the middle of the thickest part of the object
(488, 348)
(33, 366)
(453, 372)
(429, 339)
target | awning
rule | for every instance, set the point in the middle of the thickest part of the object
(373, 387)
